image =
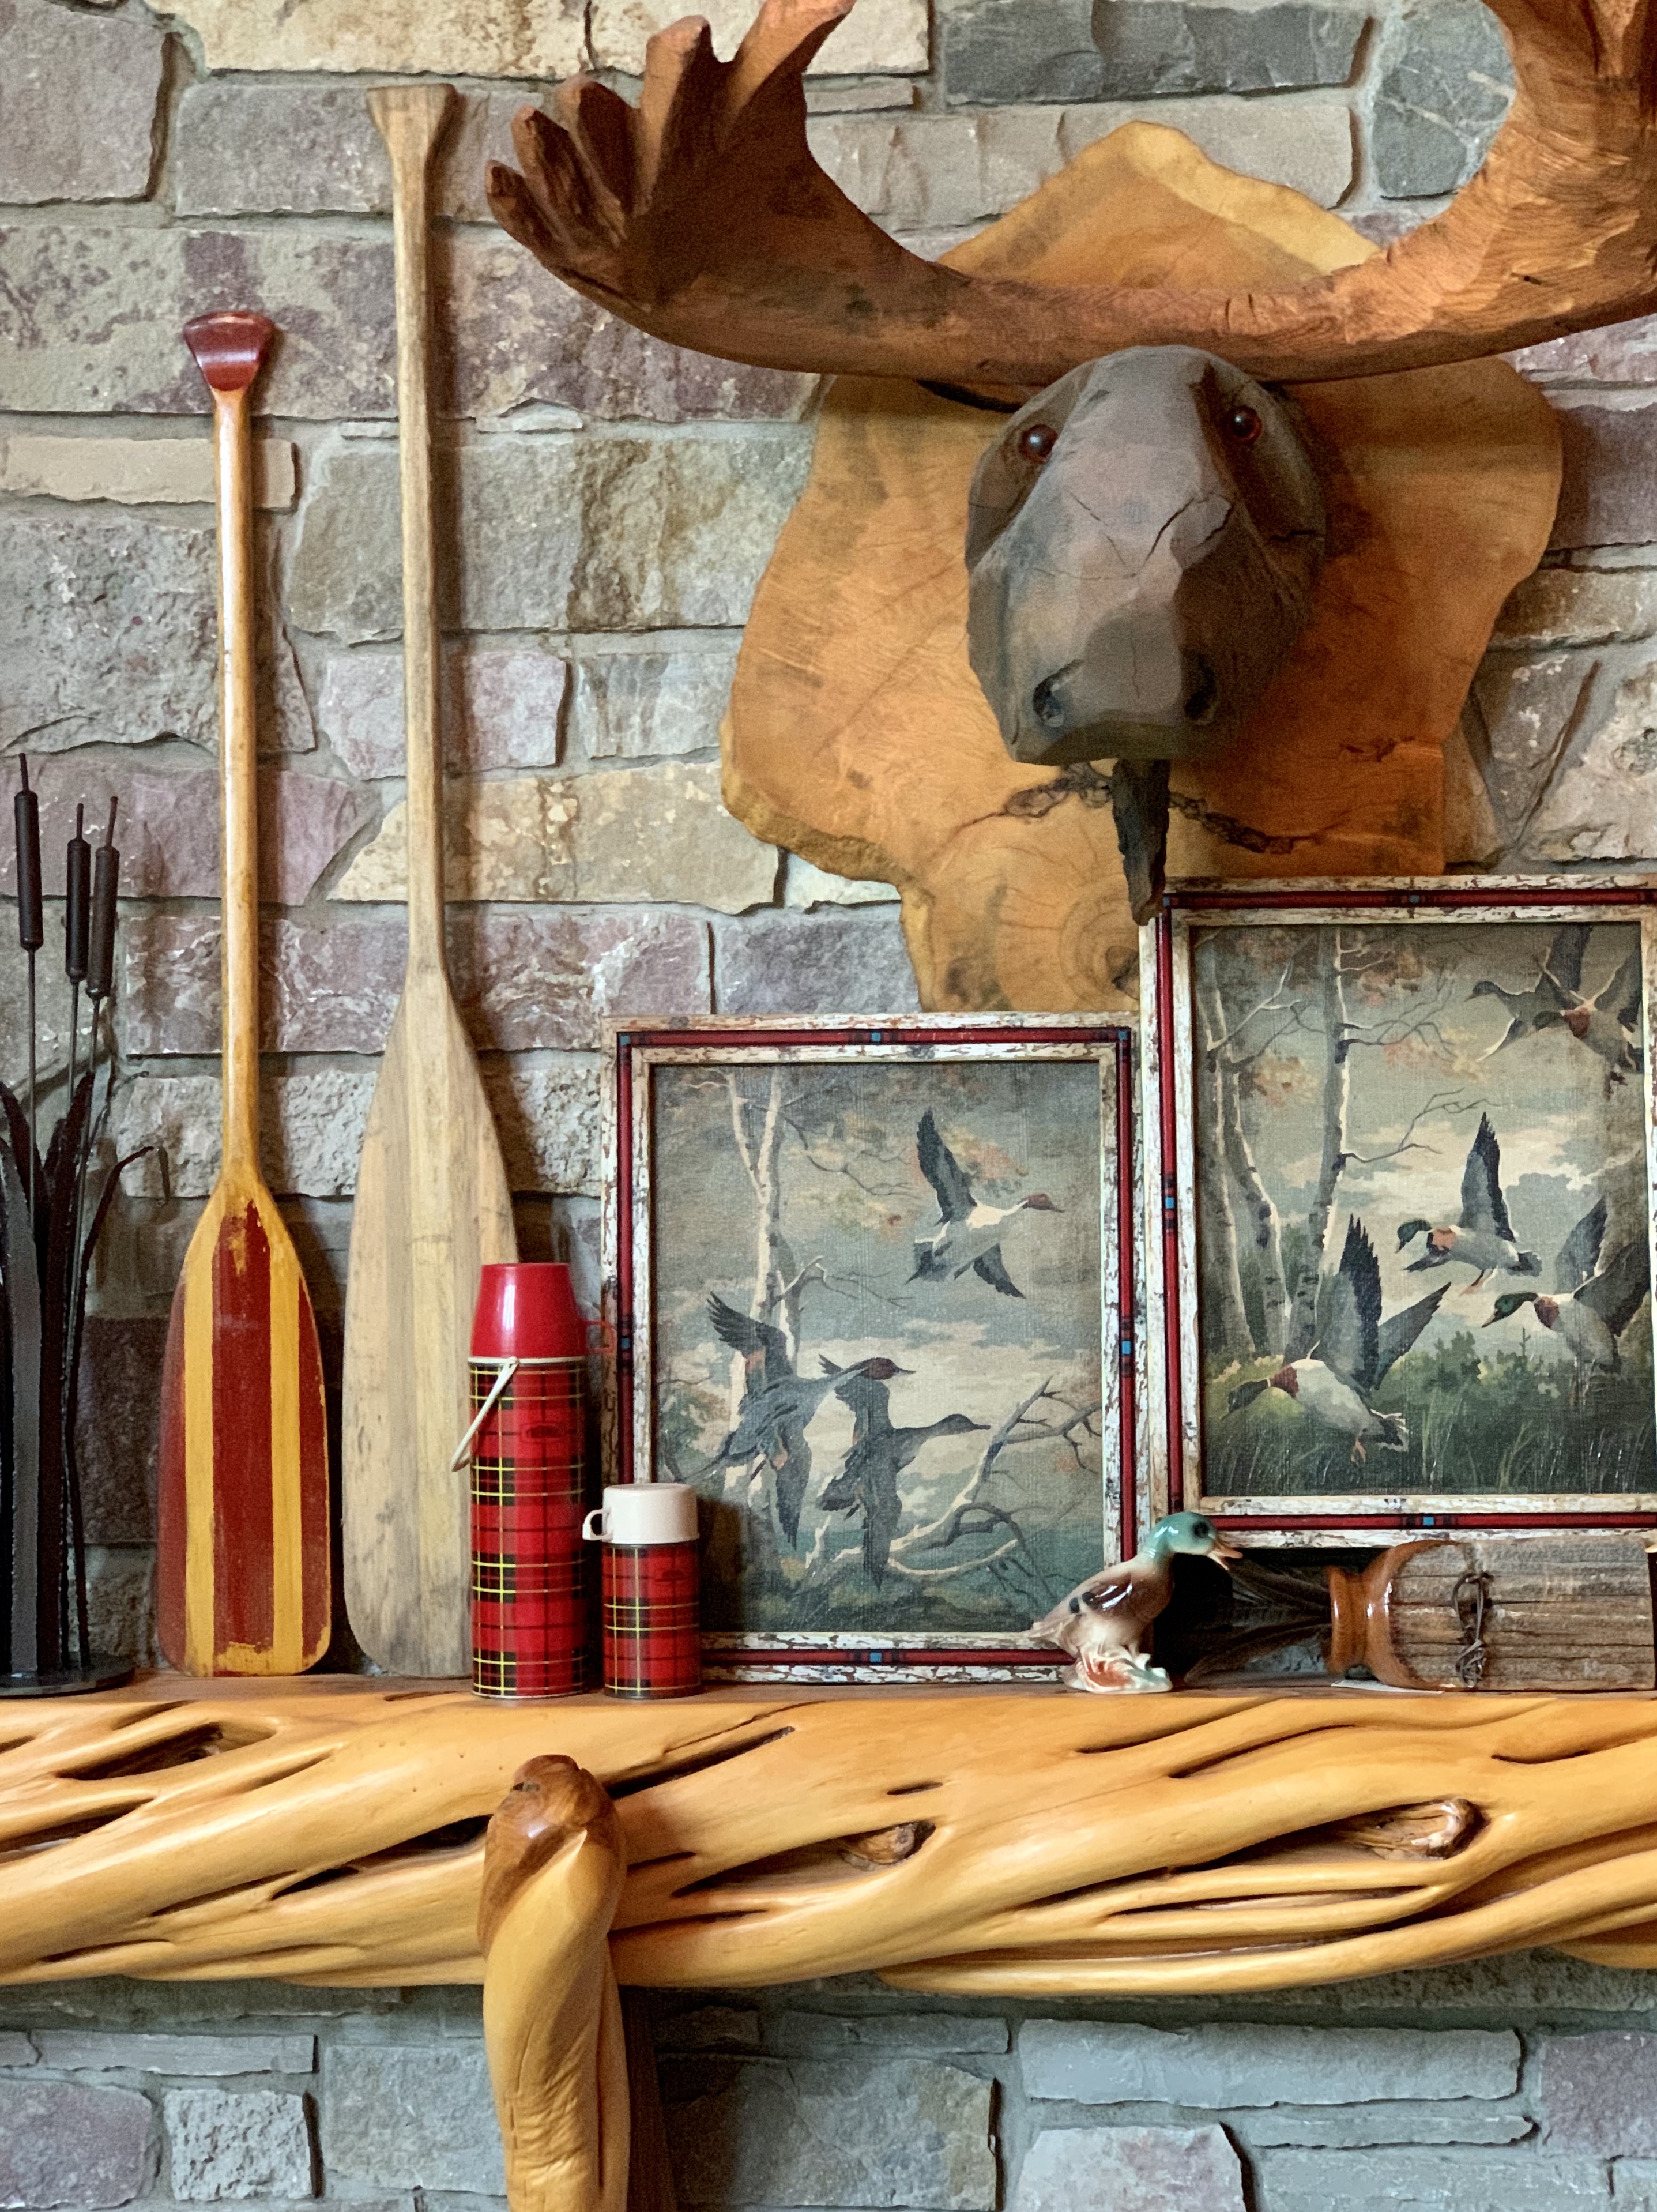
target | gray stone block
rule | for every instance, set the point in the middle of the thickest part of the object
(1446, 84)
(1609, 495)
(1622, 353)
(1359, 2127)
(941, 173)
(1598, 2093)
(521, 338)
(816, 963)
(1008, 50)
(502, 709)
(120, 1415)
(76, 2050)
(411, 2116)
(836, 2034)
(1130, 2170)
(77, 104)
(226, 2145)
(1531, 711)
(598, 533)
(528, 981)
(1101, 2064)
(710, 2027)
(121, 1581)
(907, 2134)
(1634, 2185)
(16, 2050)
(664, 695)
(1428, 2181)
(68, 2143)
(1152, 48)
(1579, 606)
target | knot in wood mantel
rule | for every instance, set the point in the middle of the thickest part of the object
(969, 1840)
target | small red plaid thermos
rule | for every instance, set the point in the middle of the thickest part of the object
(653, 1623)
(525, 1448)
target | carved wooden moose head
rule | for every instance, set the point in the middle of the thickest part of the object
(702, 217)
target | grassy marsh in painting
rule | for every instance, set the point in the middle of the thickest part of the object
(963, 1492)
(1422, 1229)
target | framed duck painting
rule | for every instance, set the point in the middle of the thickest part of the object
(874, 1289)
(1399, 1211)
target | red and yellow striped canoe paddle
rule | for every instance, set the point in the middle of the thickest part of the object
(242, 1555)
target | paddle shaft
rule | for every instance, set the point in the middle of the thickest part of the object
(411, 119)
(233, 459)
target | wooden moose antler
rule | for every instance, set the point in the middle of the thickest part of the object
(701, 216)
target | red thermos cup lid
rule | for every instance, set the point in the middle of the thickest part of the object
(526, 1310)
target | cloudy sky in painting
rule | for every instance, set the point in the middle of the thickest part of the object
(1566, 1137)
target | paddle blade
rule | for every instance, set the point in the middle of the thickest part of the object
(241, 1563)
(432, 1204)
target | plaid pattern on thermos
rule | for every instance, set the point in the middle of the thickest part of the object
(652, 1620)
(529, 1569)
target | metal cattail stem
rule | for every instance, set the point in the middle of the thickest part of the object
(31, 927)
(78, 916)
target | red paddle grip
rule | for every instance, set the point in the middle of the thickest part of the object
(229, 348)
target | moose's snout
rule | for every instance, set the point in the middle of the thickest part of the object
(1138, 575)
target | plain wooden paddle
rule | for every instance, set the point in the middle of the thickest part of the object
(242, 1568)
(431, 1200)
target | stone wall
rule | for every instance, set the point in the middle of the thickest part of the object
(1520, 2085)
(607, 504)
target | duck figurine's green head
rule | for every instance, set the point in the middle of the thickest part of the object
(1192, 1533)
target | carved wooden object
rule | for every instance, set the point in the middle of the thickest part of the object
(858, 735)
(701, 216)
(332, 1834)
(553, 1863)
(1565, 1612)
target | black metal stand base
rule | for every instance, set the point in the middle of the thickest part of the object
(99, 1674)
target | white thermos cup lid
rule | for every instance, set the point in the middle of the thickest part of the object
(644, 1513)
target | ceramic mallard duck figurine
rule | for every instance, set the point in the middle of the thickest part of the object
(1105, 1622)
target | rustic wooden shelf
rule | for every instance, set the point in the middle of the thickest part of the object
(967, 1838)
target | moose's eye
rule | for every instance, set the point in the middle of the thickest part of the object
(1244, 425)
(1037, 441)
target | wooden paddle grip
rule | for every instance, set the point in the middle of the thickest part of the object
(230, 349)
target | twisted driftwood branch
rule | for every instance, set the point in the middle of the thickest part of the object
(332, 1834)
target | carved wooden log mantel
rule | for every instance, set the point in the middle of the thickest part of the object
(950, 1839)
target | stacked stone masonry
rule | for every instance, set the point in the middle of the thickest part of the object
(607, 505)
(1528, 2084)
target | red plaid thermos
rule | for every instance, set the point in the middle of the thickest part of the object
(524, 1445)
(653, 1626)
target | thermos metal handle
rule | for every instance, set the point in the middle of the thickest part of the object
(463, 1450)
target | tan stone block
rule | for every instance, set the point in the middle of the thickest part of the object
(878, 35)
(658, 834)
(140, 472)
(928, 172)
(442, 38)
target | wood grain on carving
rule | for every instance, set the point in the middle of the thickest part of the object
(859, 736)
(332, 1834)
(552, 1864)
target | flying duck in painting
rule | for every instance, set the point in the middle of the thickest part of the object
(968, 1234)
(1483, 1239)
(777, 1406)
(878, 1455)
(1355, 1352)
(1609, 1022)
(1591, 1306)
(1558, 982)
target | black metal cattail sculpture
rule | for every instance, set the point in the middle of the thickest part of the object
(47, 1238)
